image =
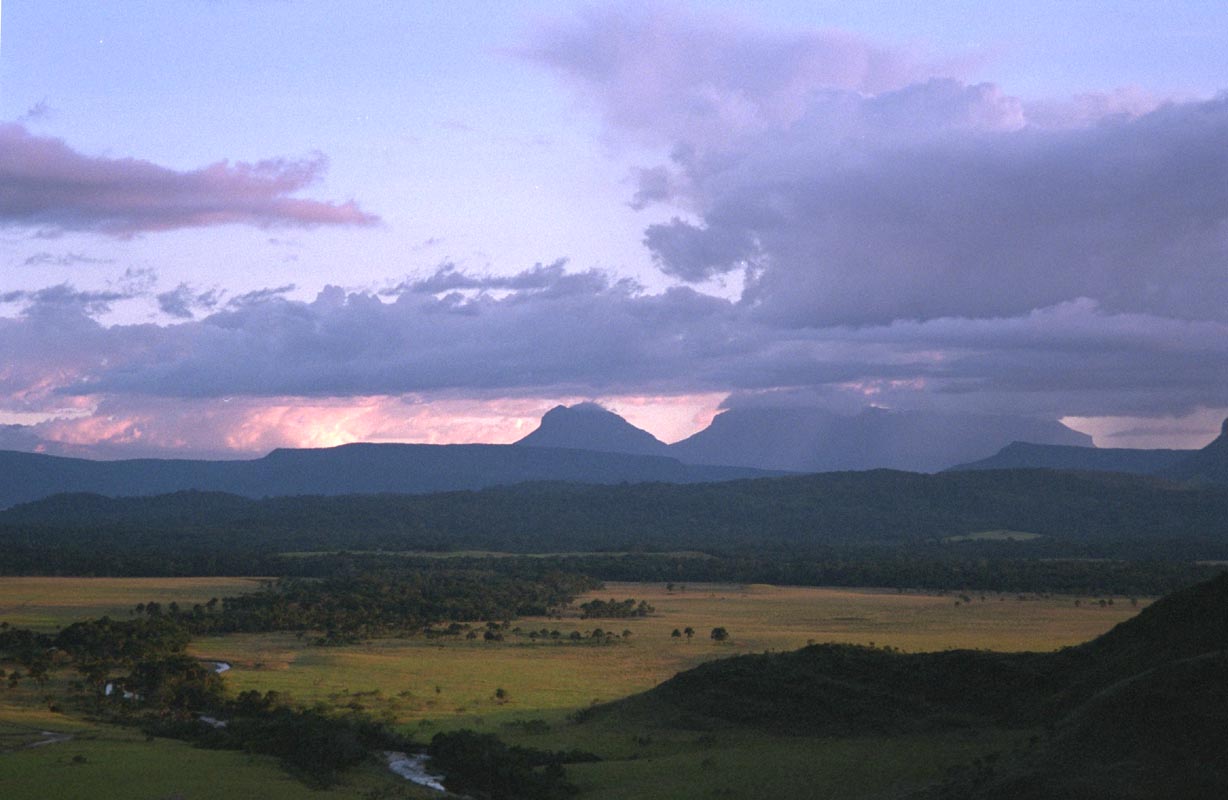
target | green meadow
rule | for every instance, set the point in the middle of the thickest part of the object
(426, 685)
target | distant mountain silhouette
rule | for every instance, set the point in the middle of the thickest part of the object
(814, 440)
(1208, 465)
(588, 426)
(1025, 455)
(349, 469)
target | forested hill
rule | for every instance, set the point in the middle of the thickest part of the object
(785, 516)
(349, 469)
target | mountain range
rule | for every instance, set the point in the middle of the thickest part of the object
(348, 469)
(808, 439)
(589, 444)
(1208, 465)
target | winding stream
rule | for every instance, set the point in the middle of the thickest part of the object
(413, 768)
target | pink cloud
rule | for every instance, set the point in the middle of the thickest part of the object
(49, 185)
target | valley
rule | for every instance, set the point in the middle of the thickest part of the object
(424, 686)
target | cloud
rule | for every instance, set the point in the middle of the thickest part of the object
(856, 184)
(49, 186)
(183, 301)
(669, 74)
(259, 296)
(586, 334)
(969, 221)
(45, 259)
(64, 296)
(448, 278)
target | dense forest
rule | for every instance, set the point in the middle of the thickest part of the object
(1097, 512)
(1047, 531)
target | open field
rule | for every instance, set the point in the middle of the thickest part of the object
(47, 603)
(419, 679)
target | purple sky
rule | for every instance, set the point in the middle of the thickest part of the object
(231, 225)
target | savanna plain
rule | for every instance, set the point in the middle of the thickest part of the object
(531, 685)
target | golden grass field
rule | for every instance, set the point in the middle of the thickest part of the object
(538, 676)
(430, 685)
(47, 603)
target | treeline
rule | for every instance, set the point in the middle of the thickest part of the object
(481, 765)
(311, 745)
(381, 602)
(615, 609)
(946, 570)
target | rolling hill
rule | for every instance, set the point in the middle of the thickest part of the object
(1140, 712)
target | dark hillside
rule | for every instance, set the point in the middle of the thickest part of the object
(1154, 736)
(1025, 455)
(1208, 465)
(1128, 674)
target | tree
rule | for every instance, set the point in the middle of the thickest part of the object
(677, 634)
(719, 634)
(689, 631)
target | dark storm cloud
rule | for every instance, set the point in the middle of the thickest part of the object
(588, 334)
(50, 187)
(860, 185)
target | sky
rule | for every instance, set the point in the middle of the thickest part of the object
(233, 225)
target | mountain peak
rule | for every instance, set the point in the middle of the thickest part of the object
(589, 426)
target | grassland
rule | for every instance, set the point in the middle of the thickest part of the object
(415, 679)
(427, 685)
(47, 603)
(106, 761)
